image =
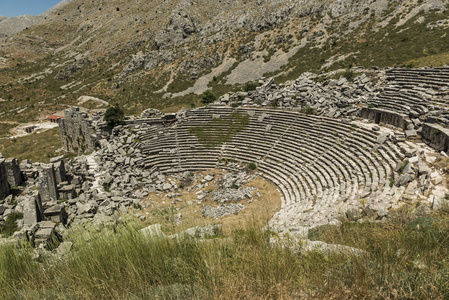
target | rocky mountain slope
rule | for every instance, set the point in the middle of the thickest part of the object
(13, 25)
(10, 26)
(139, 52)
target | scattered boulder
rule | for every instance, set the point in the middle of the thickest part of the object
(222, 210)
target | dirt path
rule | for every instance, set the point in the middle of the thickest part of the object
(201, 84)
(84, 99)
(253, 69)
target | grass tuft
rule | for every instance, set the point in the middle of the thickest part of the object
(10, 226)
(219, 131)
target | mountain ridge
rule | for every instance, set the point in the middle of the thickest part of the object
(156, 50)
(12, 25)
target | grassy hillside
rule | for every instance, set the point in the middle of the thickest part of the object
(94, 42)
(37, 147)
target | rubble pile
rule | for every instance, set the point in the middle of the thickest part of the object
(222, 210)
(332, 98)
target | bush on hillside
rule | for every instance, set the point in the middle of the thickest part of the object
(250, 86)
(208, 97)
(114, 116)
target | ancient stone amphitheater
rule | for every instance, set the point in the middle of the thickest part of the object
(322, 166)
(333, 149)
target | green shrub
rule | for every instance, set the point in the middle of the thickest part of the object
(10, 226)
(309, 110)
(114, 116)
(250, 86)
(349, 74)
(107, 187)
(252, 166)
(208, 97)
(436, 132)
(392, 182)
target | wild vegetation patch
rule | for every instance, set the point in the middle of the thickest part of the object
(407, 258)
(5, 129)
(8, 227)
(35, 147)
(221, 130)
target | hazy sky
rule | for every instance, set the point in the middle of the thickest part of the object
(14, 8)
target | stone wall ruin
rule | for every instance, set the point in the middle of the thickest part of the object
(77, 131)
(4, 185)
(382, 116)
(13, 172)
(437, 136)
(48, 188)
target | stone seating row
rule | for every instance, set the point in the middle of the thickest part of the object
(314, 161)
(433, 74)
(402, 102)
(431, 83)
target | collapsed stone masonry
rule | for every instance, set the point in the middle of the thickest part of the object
(77, 130)
(37, 188)
(4, 185)
(85, 190)
(82, 133)
(332, 98)
(415, 100)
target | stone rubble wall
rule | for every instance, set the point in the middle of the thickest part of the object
(381, 116)
(436, 135)
(13, 172)
(77, 131)
(4, 185)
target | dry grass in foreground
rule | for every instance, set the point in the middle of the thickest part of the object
(408, 259)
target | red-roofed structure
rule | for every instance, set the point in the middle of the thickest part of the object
(54, 118)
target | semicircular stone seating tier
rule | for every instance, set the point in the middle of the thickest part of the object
(412, 90)
(321, 166)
